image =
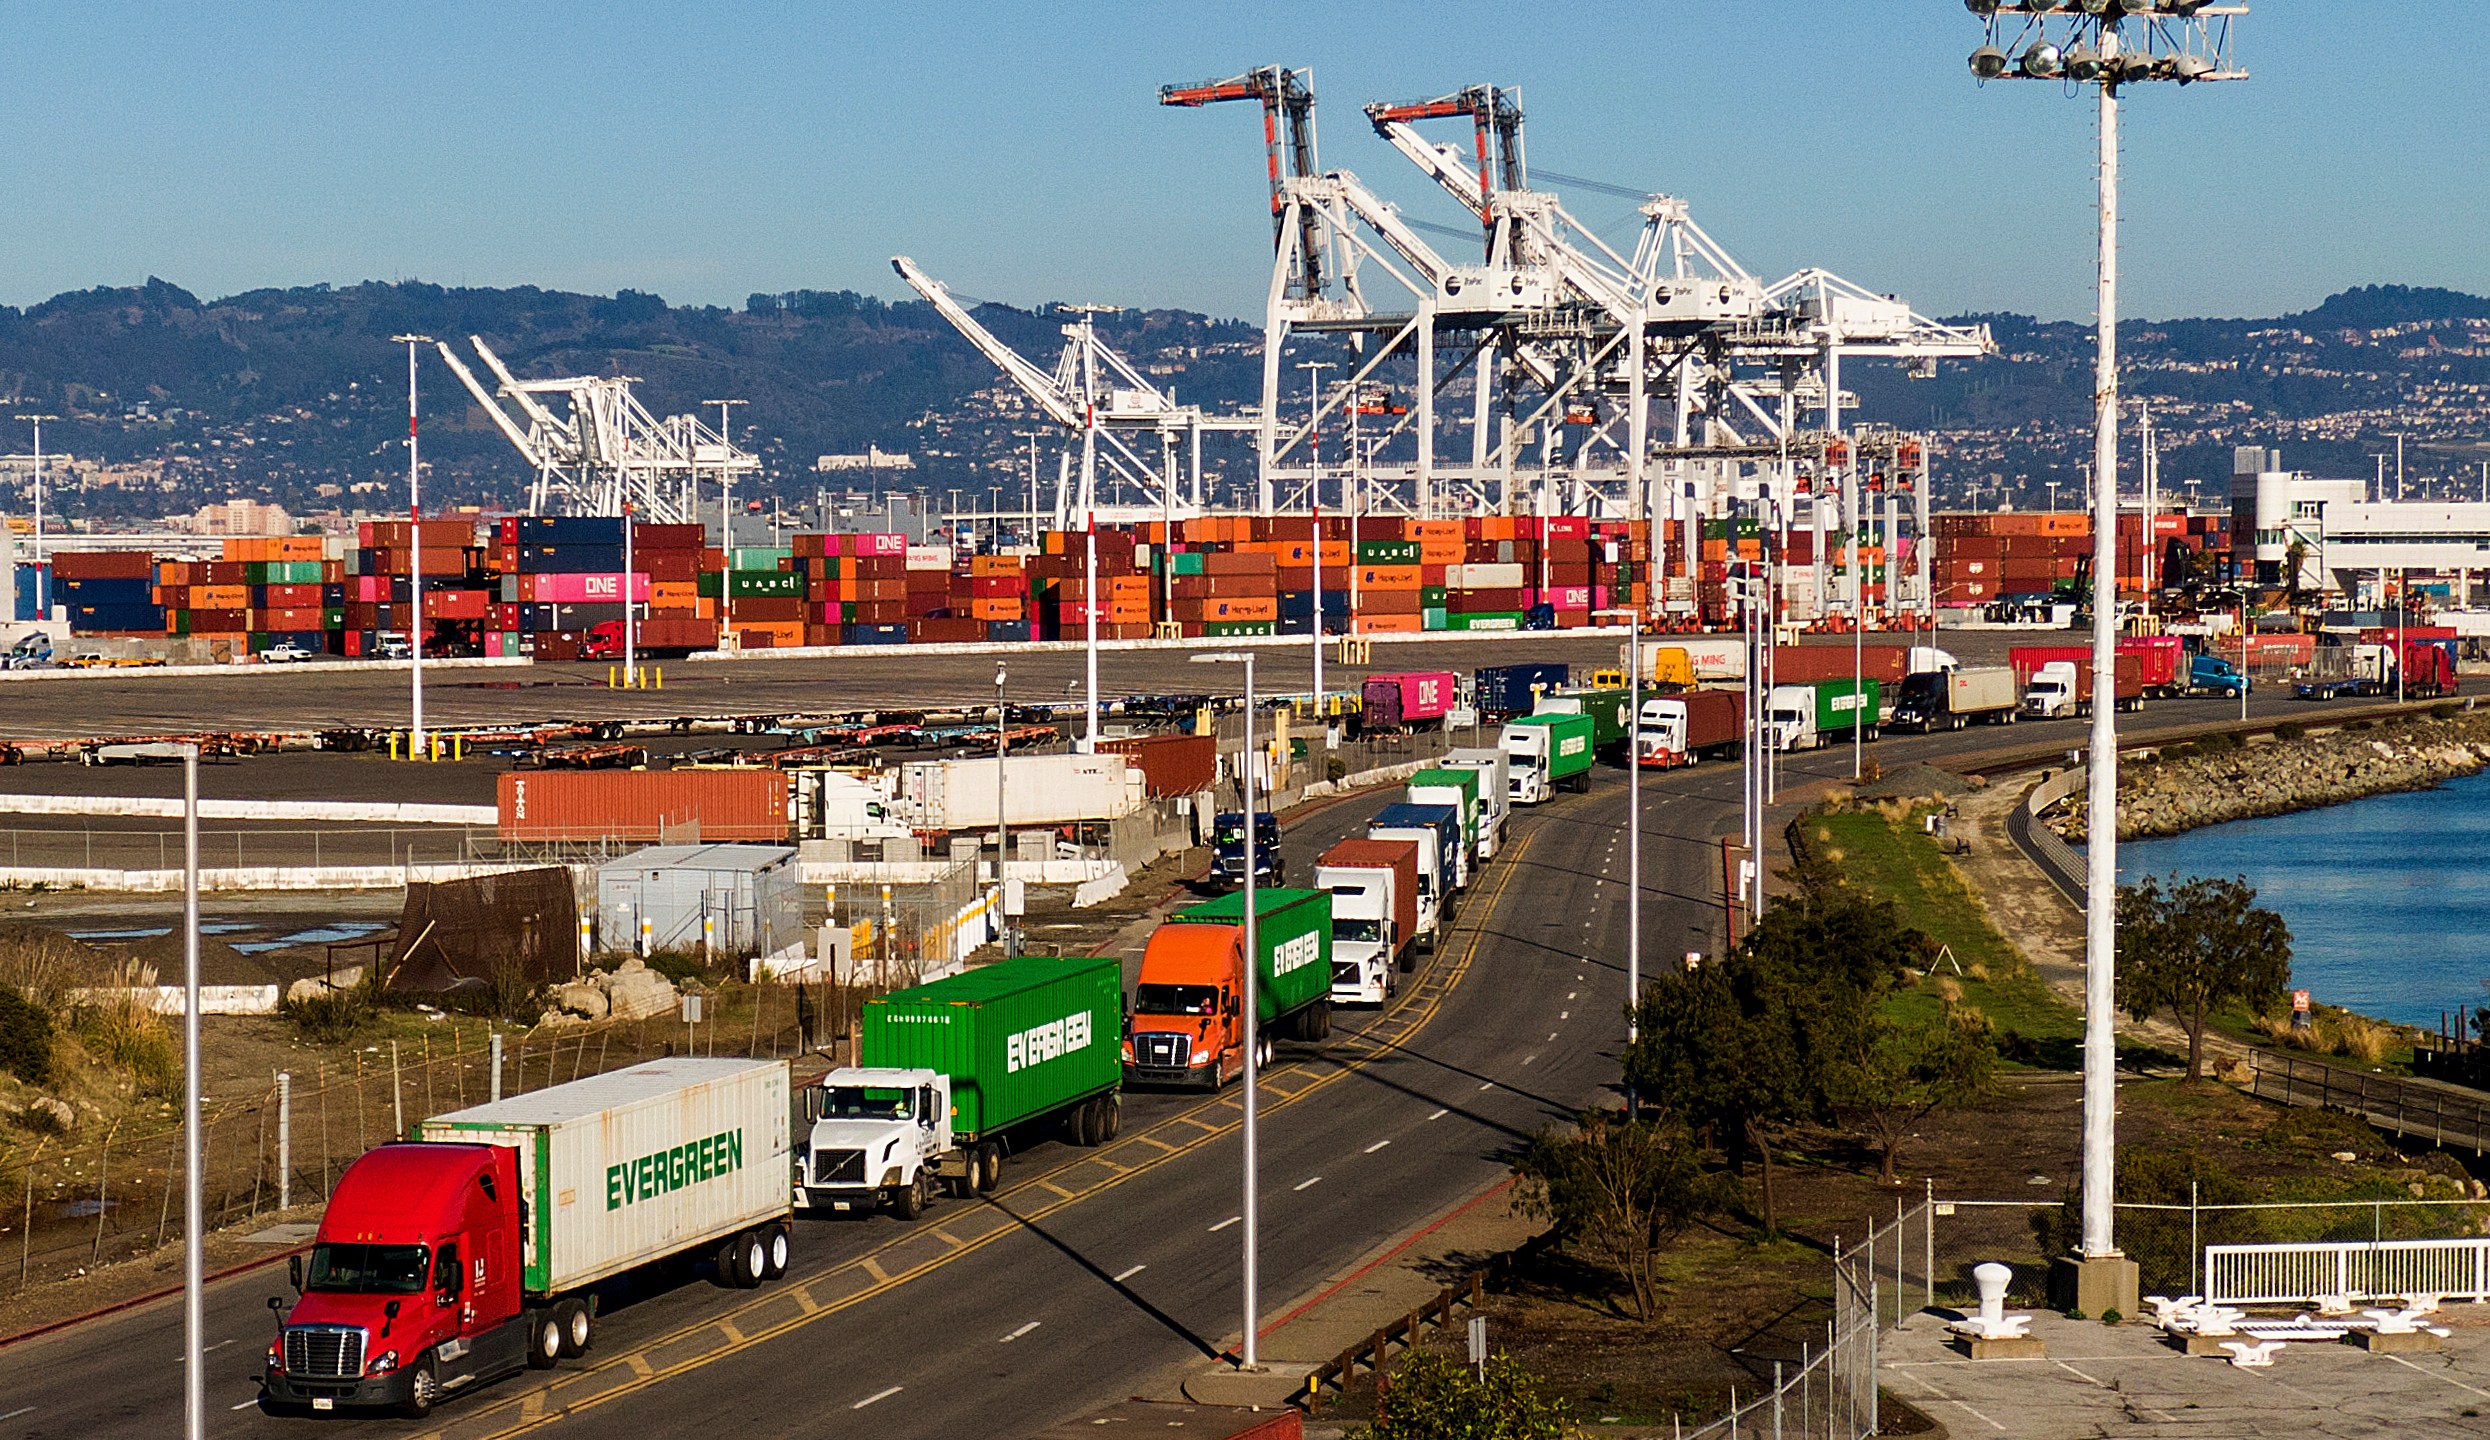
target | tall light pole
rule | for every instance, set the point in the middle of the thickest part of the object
(726, 523)
(43, 577)
(2175, 40)
(1250, 1006)
(1634, 817)
(194, 1239)
(1002, 822)
(1088, 339)
(1314, 497)
(414, 551)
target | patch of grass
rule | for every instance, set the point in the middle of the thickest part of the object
(1884, 849)
(2290, 730)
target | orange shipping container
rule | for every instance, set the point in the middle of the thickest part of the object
(1388, 577)
(642, 806)
(1369, 623)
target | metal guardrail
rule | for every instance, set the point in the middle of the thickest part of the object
(2032, 835)
(2399, 1106)
(1374, 1351)
(2355, 1270)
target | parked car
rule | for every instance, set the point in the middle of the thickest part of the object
(284, 652)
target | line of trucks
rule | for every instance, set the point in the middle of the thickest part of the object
(487, 1242)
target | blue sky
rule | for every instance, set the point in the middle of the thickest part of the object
(704, 152)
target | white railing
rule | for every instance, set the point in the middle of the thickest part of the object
(2356, 1270)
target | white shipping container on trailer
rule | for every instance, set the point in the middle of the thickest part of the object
(641, 1163)
(1040, 789)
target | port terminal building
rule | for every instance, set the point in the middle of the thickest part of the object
(2346, 541)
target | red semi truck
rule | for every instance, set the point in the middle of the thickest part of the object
(446, 1263)
(1680, 729)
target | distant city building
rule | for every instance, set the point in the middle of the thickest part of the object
(874, 458)
(242, 517)
(2348, 542)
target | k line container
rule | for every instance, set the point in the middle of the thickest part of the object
(644, 806)
(637, 1164)
(1019, 1039)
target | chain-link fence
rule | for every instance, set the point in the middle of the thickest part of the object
(69, 1204)
(142, 847)
(1827, 1393)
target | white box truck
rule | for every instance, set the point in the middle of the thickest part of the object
(1495, 792)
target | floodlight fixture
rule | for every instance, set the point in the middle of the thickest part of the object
(2043, 61)
(1982, 8)
(2188, 68)
(1988, 62)
(2083, 63)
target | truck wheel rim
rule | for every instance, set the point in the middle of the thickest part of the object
(778, 1252)
(579, 1328)
(548, 1339)
(424, 1389)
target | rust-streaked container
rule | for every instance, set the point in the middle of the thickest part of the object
(644, 806)
(1170, 764)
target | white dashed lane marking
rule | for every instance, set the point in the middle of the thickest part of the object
(1129, 1274)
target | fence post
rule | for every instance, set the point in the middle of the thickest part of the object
(103, 1180)
(1929, 1205)
(285, 1140)
(1776, 1400)
(26, 1230)
(1899, 1290)
(496, 1064)
(397, 1095)
(2195, 1247)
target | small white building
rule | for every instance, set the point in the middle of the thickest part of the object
(2348, 542)
(727, 899)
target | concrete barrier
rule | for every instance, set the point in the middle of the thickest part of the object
(347, 812)
(171, 999)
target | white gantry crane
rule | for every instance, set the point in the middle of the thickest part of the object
(1108, 410)
(1668, 383)
(595, 448)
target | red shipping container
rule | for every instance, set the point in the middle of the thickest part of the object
(1169, 764)
(456, 604)
(642, 806)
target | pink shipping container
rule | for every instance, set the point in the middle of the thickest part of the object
(1398, 701)
(585, 589)
(644, 806)
(874, 545)
(1569, 597)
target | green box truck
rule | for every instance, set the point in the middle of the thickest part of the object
(958, 1073)
(1804, 717)
(1545, 752)
(1187, 1025)
(1607, 708)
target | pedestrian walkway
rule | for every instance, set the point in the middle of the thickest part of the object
(1379, 1290)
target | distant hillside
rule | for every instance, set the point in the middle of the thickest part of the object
(302, 386)
(274, 392)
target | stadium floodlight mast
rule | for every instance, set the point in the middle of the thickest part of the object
(2103, 45)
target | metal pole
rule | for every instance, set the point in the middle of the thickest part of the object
(496, 1063)
(415, 553)
(1002, 828)
(1089, 509)
(631, 616)
(2101, 880)
(1253, 1026)
(285, 1139)
(194, 1241)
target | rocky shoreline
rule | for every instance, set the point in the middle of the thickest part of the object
(2217, 779)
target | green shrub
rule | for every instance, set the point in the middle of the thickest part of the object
(2290, 730)
(2158, 1240)
(25, 1037)
(131, 1040)
(330, 1019)
(2443, 710)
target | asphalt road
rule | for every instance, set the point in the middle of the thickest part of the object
(1094, 1270)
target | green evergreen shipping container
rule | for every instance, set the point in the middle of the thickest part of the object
(1486, 620)
(280, 572)
(1609, 710)
(1434, 617)
(1018, 1039)
(1465, 781)
(1292, 928)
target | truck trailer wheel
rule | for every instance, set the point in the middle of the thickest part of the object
(544, 1339)
(578, 1326)
(751, 1259)
(1113, 1106)
(989, 1168)
(908, 1201)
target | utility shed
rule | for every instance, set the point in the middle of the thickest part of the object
(749, 896)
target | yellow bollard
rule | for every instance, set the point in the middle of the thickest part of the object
(611, 673)
(393, 744)
(660, 673)
(458, 747)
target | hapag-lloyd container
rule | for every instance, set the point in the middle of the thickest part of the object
(1018, 1038)
(621, 1168)
(645, 806)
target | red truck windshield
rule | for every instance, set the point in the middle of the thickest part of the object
(367, 1269)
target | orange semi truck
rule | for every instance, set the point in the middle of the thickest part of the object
(1187, 1025)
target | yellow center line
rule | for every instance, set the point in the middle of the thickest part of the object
(644, 1374)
